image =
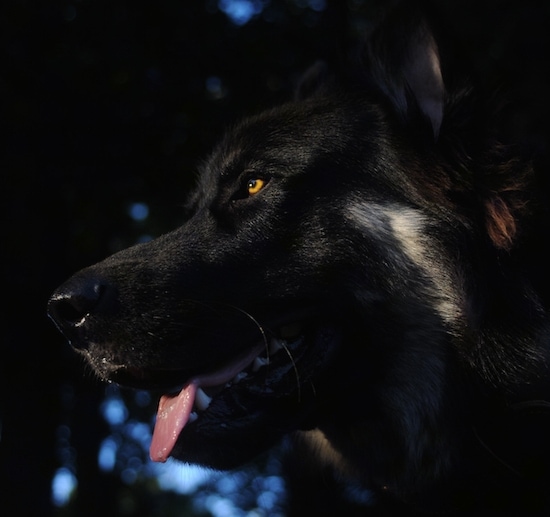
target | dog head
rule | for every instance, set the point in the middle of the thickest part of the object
(248, 302)
(328, 276)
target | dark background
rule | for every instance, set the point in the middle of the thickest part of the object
(108, 103)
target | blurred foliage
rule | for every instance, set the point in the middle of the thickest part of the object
(106, 104)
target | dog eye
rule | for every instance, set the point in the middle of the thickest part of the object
(254, 185)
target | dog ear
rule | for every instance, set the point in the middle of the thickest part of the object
(402, 59)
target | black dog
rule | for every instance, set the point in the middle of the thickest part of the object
(357, 266)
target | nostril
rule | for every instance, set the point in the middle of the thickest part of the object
(73, 303)
(63, 310)
(71, 307)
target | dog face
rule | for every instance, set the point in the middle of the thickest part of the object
(329, 277)
(253, 297)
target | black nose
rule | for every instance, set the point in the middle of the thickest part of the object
(74, 304)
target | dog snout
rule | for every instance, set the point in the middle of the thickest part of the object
(74, 304)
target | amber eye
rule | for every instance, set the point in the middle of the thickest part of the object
(255, 185)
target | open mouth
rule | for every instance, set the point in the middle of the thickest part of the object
(267, 368)
(176, 410)
(270, 383)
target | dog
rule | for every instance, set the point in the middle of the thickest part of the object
(358, 268)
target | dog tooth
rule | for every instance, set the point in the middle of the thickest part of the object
(239, 377)
(259, 362)
(202, 400)
(275, 345)
(192, 417)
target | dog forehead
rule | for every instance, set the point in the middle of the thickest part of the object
(293, 128)
(316, 136)
(279, 153)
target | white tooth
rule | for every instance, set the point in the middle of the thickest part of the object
(239, 377)
(259, 362)
(275, 345)
(202, 400)
(192, 417)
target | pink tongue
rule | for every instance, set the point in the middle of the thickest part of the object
(173, 413)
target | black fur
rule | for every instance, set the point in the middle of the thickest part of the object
(389, 252)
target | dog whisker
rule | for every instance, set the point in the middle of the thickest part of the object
(296, 372)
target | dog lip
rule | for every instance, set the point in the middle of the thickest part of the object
(162, 379)
(171, 380)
